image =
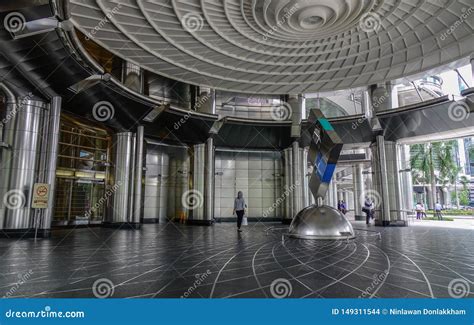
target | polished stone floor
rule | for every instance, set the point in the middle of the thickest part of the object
(174, 260)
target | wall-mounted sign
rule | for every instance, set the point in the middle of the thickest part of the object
(40, 196)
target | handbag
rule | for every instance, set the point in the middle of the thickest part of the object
(244, 221)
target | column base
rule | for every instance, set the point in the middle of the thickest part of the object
(122, 225)
(25, 233)
(199, 222)
(359, 218)
(286, 221)
(394, 223)
(149, 220)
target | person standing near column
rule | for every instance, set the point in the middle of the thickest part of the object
(368, 210)
(438, 208)
(419, 211)
(239, 209)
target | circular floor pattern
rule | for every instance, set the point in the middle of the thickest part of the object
(182, 261)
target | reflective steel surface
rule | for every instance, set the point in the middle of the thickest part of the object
(163, 260)
(320, 222)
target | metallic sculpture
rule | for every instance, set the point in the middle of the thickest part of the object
(320, 221)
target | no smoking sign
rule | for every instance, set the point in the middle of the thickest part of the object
(40, 196)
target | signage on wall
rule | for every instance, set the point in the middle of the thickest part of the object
(40, 196)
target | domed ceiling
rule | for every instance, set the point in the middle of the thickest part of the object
(281, 46)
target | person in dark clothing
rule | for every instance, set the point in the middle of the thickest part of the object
(343, 207)
(239, 209)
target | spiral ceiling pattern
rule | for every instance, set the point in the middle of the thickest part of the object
(281, 46)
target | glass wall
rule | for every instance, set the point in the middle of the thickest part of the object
(83, 160)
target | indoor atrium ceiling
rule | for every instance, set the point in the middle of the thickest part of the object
(281, 46)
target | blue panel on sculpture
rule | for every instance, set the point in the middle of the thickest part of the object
(328, 173)
(324, 150)
(325, 124)
(320, 166)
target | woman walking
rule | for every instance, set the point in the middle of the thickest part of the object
(239, 209)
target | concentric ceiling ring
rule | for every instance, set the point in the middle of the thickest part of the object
(281, 46)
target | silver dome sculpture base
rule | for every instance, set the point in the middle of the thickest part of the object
(321, 222)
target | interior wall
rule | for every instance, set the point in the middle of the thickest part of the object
(256, 174)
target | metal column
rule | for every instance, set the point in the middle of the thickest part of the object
(206, 102)
(209, 177)
(358, 186)
(201, 198)
(296, 190)
(387, 183)
(288, 181)
(19, 167)
(133, 77)
(138, 205)
(51, 158)
(304, 177)
(122, 183)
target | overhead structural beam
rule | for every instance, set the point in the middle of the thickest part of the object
(89, 82)
(217, 125)
(34, 27)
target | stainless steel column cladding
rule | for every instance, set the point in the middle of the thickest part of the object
(386, 181)
(306, 194)
(358, 186)
(132, 77)
(209, 176)
(138, 203)
(122, 178)
(195, 198)
(54, 125)
(206, 101)
(18, 169)
(131, 194)
(296, 190)
(288, 181)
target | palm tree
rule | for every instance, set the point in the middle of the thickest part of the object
(431, 157)
(423, 165)
(448, 167)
